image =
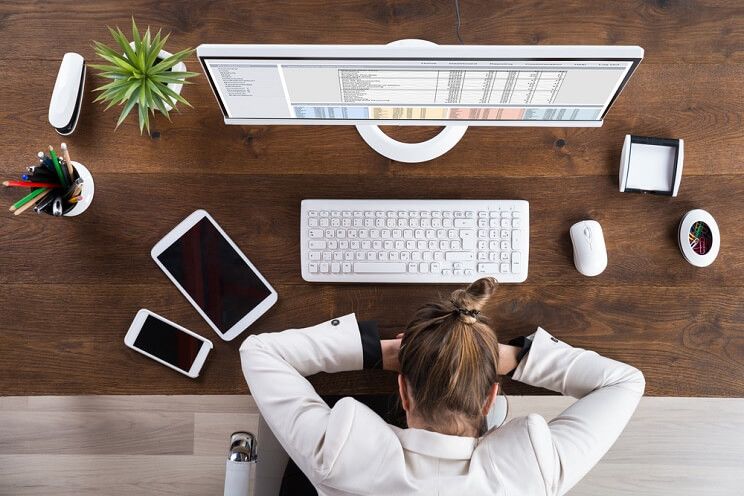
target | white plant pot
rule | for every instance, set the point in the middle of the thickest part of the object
(176, 88)
(86, 191)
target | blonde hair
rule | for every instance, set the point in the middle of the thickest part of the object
(449, 357)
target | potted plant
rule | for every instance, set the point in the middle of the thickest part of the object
(144, 75)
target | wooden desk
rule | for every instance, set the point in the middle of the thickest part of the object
(70, 287)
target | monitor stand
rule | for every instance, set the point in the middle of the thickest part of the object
(411, 152)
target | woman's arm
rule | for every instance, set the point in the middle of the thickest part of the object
(608, 392)
(274, 365)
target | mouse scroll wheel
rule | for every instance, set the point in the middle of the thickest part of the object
(587, 232)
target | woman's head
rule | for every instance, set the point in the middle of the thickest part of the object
(448, 358)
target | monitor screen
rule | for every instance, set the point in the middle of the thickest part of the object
(451, 90)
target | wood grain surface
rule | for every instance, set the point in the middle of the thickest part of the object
(70, 287)
(679, 446)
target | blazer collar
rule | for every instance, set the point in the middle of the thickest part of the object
(435, 444)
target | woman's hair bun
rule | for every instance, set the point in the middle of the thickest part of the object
(471, 300)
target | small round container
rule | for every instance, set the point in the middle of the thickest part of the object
(87, 190)
(699, 238)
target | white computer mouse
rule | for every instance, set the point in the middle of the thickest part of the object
(590, 253)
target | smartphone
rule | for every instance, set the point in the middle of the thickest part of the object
(214, 275)
(168, 343)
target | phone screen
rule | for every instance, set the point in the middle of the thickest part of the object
(214, 275)
(168, 343)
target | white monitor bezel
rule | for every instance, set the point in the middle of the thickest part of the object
(632, 54)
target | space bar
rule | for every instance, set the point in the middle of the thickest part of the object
(379, 268)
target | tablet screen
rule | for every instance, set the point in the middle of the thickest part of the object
(214, 275)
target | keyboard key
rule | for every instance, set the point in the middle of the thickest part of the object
(324, 267)
(516, 267)
(488, 268)
(313, 213)
(515, 240)
(412, 267)
(335, 268)
(315, 233)
(346, 267)
(314, 255)
(464, 223)
(316, 245)
(452, 256)
(313, 267)
(379, 268)
(423, 267)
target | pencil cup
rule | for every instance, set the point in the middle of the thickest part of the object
(88, 188)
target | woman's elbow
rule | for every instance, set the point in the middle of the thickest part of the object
(636, 381)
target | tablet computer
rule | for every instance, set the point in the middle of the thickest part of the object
(214, 275)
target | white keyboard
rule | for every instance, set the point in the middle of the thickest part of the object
(414, 241)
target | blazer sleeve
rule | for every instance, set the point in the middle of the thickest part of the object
(608, 393)
(274, 365)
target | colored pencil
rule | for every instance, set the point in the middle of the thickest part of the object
(30, 184)
(66, 156)
(27, 199)
(75, 199)
(31, 203)
(57, 167)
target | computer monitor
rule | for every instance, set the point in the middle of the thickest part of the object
(417, 83)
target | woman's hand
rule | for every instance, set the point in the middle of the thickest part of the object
(390, 348)
(507, 358)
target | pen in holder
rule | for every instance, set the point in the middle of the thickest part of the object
(57, 186)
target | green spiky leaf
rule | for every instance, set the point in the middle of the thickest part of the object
(138, 77)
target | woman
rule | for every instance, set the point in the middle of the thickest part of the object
(449, 363)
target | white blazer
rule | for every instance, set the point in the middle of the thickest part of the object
(348, 449)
